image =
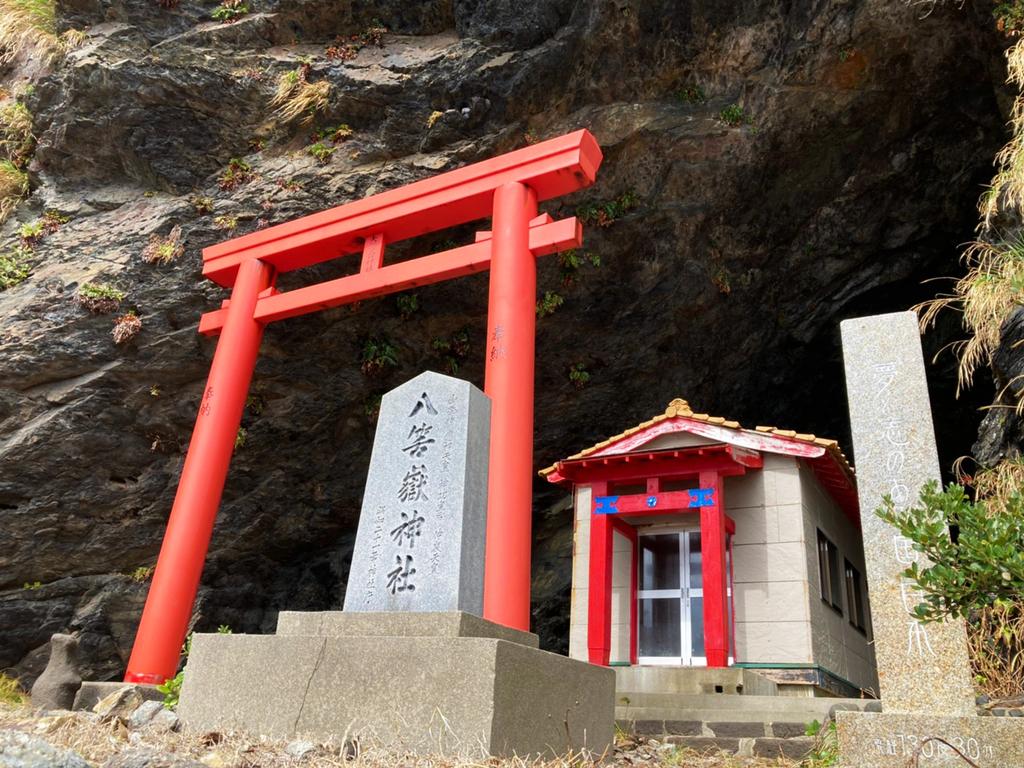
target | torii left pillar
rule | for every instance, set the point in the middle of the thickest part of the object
(183, 553)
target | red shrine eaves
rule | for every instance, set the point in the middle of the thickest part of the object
(507, 188)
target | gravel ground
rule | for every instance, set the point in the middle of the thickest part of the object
(152, 738)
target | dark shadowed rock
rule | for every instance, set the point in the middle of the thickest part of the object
(57, 686)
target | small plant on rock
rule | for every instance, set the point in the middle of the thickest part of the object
(605, 213)
(346, 48)
(1009, 16)
(579, 377)
(297, 97)
(733, 115)
(33, 233)
(378, 355)
(453, 350)
(569, 263)
(164, 249)
(32, 585)
(238, 172)
(230, 10)
(434, 117)
(202, 204)
(240, 437)
(99, 298)
(371, 407)
(408, 304)
(321, 152)
(13, 267)
(691, 94)
(126, 328)
(30, 26)
(142, 574)
(549, 303)
(226, 222)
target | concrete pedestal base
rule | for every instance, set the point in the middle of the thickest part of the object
(445, 683)
(891, 740)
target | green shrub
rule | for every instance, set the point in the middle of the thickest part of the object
(985, 565)
(408, 304)
(825, 752)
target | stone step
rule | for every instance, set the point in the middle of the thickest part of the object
(745, 729)
(791, 749)
(708, 707)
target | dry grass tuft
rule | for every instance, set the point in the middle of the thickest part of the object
(31, 25)
(11, 693)
(297, 97)
(126, 328)
(991, 289)
(995, 639)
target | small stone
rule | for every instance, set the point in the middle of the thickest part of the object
(982, 700)
(121, 703)
(145, 713)
(164, 720)
(1015, 713)
(999, 712)
(299, 749)
(57, 686)
(20, 750)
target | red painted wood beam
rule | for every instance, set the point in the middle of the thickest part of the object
(599, 595)
(551, 168)
(545, 238)
(584, 471)
(712, 534)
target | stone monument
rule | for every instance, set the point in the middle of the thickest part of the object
(424, 515)
(928, 703)
(409, 663)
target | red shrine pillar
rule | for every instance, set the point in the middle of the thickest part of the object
(712, 536)
(599, 594)
(178, 569)
(508, 381)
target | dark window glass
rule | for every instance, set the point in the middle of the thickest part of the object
(855, 597)
(828, 572)
(659, 561)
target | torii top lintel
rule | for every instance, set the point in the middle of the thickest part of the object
(551, 168)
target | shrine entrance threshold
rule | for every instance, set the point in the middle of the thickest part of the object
(507, 188)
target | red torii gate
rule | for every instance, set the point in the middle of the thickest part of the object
(507, 188)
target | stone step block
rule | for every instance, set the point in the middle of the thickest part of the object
(791, 749)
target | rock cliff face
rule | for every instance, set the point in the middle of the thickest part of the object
(845, 174)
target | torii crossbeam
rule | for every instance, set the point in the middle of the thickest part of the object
(507, 188)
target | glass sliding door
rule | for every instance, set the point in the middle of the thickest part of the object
(670, 597)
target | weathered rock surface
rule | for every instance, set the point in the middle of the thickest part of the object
(866, 134)
(21, 750)
(57, 686)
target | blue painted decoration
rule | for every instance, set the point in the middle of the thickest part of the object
(702, 497)
(605, 505)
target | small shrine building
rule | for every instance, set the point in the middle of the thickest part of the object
(698, 543)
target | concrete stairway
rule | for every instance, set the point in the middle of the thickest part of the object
(711, 710)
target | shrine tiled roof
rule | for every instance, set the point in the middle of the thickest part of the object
(680, 409)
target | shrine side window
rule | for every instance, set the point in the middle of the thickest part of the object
(855, 597)
(828, 571)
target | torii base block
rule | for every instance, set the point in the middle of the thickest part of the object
(432, 683)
